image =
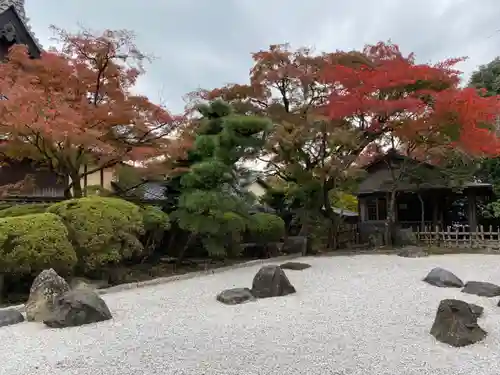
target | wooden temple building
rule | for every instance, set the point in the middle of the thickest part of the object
(434, 200)
(14, 28)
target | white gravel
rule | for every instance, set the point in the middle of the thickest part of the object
(368, 314)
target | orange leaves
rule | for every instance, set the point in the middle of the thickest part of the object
(474, 119)
(77, 101)
(417, 103)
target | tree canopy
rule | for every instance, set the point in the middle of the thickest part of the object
(329, 110)
(74, 106)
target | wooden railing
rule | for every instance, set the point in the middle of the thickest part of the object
(460, 237)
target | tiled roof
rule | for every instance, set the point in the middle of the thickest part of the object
(17, 7)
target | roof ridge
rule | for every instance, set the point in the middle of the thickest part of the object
(25, 22)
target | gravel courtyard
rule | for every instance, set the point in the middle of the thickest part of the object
(368, 314)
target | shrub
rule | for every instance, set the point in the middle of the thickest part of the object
(155, 222)
(154, 219)
(103, 230)
(24, 209)
(31, 243)
(266, 227)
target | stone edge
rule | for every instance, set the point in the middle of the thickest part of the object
(185, 276)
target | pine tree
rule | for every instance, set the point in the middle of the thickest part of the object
(208, 207)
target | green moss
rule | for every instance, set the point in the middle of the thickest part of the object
(24, 209)
(31, 243)
(103, 230)
(266, 227)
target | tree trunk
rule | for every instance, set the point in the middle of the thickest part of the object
(422, 212)
(77, 186)
(182, 253)
(2, 287)
(67, 192)
(331, 216)
(389, 223)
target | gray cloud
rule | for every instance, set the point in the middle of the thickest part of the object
(208, 43)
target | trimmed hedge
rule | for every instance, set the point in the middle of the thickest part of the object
(266, 227)
(24, 209)
(31, 243)
(154, 219)
(102, 230)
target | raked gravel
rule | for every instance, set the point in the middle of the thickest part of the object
(368, 314)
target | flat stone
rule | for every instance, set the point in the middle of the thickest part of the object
(77, 307)
(482, 289)
(456, 324)
(235, 296)
(412, 252)
(271, 281)
(9, 317)
(296, 266)
(443, 278)
(78, 282)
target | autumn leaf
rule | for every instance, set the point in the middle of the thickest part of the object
(75, 106)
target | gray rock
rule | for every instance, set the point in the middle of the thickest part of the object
(482, 289)
(47, 286)
(443, 278)
(376, 239)
(413, 252)
(296, 266)
(295, 245)
(476, 310)
(9, 317)
(271, 281)
(77, 307)
(405, 236)
(456, 324)
(235, 296)
(78, 282)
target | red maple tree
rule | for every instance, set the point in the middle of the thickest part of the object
(417, 103)
(331, 110)
(74, 106)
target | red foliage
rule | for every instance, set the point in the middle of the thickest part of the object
(417, 103)
(74, 106)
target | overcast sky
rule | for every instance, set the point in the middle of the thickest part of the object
(208, 43)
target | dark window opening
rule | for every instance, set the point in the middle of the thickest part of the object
(376, 209)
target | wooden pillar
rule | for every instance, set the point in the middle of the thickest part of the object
(362, 208)
(435, 210)
(471, 210)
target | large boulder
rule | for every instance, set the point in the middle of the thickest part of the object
(482, 289)
(271, 281)
(9, 317)
(405, 237)
(443, 278)
(295, 266)
(46, 287)
(456, 324)
(295, 245)
(77, 307)
(235, 296)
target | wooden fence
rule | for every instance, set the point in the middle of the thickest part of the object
(459, 237)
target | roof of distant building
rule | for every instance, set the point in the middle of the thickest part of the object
(18, 9)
